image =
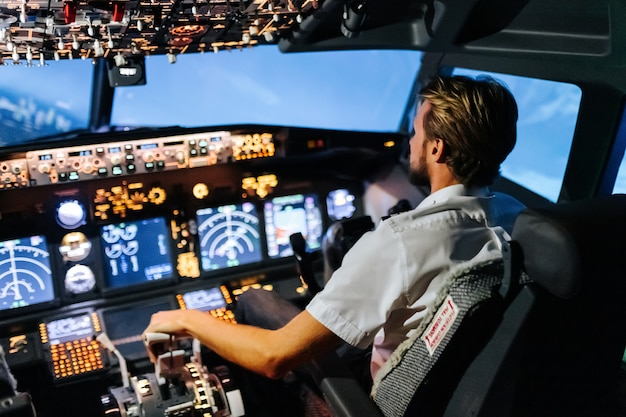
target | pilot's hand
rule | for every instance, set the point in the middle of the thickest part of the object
(163, 328)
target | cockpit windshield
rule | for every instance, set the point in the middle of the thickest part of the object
(38, 101)
(331, 90)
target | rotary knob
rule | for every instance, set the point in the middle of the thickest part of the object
(71, 214)
(79, 279)
(44, 168)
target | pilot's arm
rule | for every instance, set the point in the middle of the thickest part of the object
(268, 352)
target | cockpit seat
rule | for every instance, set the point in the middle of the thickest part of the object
(540, 334)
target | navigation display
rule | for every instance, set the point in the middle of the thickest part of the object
(136, 252)
(69, 328)
(284, 216)
(229, 236)
(25, 274)
(204, 299)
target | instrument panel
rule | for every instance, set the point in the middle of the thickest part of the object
(95, 238)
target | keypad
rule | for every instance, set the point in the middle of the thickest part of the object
(224, 314)
(76, 357)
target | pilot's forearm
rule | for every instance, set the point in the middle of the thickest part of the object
(269, 352)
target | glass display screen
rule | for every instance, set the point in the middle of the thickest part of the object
(204, 299)
(125, 326)
(340, 204)
(25, 274)
(229, 236)
(69, 328)
(291, 214)
(136, 252)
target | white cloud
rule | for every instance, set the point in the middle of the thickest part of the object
(63, 105)
(564, 101)
(6, 104)
(540, 183)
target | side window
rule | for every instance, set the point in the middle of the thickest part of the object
(545, 129)
(620, 181)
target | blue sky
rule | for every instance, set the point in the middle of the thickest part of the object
(261, 85)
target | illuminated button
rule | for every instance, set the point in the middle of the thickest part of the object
(102, 172)
(193, 152)
(131, 168)
(149, 166)
(160, 164)
(73, 176)
(117, 170)
(62, 176)
(200, 191)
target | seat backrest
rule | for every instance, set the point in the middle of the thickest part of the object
(422, 373)
(554, 347)
(559, 348)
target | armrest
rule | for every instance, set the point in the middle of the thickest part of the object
(346, 398)
(342, 392)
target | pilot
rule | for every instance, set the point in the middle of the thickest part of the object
(464, 129)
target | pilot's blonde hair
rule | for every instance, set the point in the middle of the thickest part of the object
(476, 119)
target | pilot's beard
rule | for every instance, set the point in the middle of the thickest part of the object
(418, 173)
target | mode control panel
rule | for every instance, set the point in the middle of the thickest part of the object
(77, 163)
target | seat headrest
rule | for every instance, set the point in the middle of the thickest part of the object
(560, 243)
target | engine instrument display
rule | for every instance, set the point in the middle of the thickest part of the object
(229, 236)
(284, 216)
(136, 252)
(25, 274)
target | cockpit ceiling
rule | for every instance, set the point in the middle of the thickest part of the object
(42, 29)
(34, 31)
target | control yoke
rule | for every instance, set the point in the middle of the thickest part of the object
(304, 262)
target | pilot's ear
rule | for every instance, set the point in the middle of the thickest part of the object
(438, 150)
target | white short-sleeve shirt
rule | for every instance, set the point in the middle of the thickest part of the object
(392, 275)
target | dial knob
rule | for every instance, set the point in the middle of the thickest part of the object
(70, 214)
(75, 247)
(79, 279)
